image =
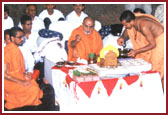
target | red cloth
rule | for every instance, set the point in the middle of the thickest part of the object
(87, 87)
(109, 84)
(68, 79)
(131, 79)
(64, 69)
(150, 71)
(35, 74)
(55, 67)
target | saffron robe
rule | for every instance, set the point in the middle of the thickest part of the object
(91, 43)
(154, 56)
(17, 95)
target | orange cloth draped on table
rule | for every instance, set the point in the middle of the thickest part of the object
(17, 95)
(88, 44)
(154, 56)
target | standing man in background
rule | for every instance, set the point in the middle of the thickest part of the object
(50, 15)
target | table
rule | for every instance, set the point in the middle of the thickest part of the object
(132, 94)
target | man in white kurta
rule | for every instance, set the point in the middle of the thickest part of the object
(77, 15)
(29, 45)
(8, 21)
(31, 37)
(37, 23)
(28, 57)
(51, 13)
(32, 41)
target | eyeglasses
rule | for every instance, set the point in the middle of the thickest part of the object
(20, 37)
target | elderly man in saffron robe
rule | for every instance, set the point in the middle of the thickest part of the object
(84, 40)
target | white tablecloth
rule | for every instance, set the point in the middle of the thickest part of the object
(144, 95)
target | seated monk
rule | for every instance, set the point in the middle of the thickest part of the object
(20, 89)
(84, 40)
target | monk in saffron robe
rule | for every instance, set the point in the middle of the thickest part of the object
(19, 89)
(147, 36)
(84, 40)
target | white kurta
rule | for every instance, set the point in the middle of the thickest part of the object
(146, 7)
(54, 17)
(7, 23)
(37, 24)
(76, 20)
(64, 27)
(32, 41)
(159, 13)
(28, 57)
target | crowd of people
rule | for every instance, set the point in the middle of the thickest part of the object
(27, 89)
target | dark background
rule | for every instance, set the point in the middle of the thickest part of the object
(107, 14)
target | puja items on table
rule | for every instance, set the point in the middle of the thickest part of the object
(108, 57)
(85, 75)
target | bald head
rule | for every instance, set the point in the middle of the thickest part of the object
(89, 19)
(88, 25)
